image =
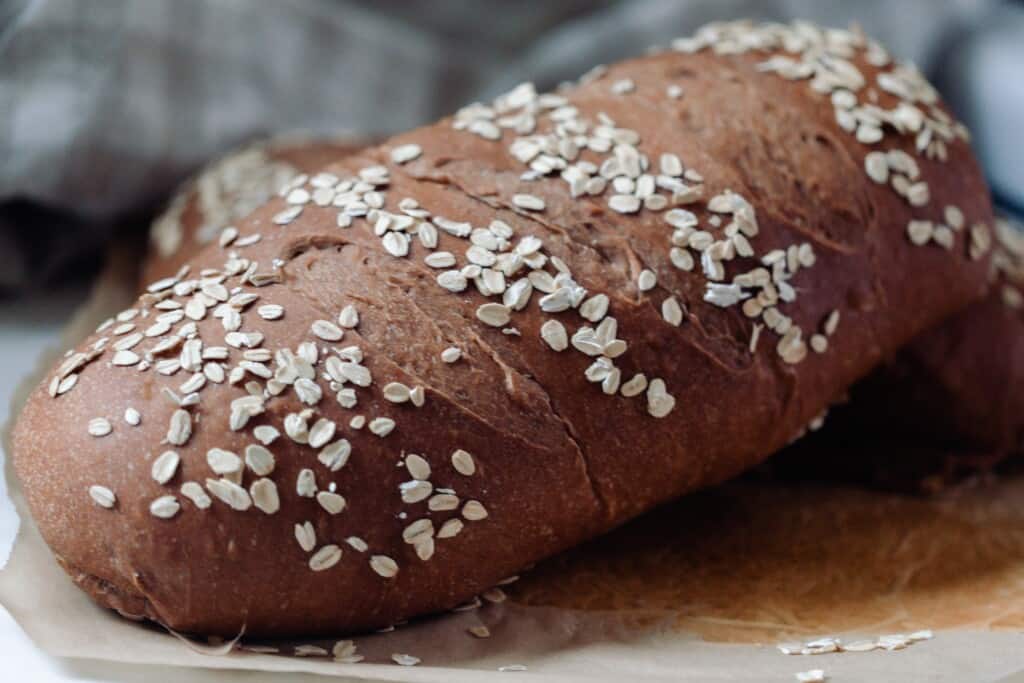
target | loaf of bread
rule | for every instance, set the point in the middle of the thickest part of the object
(950, 402)
(206, 207)
(949, 395)
(960, 385)
(489, 339)
(947, 400)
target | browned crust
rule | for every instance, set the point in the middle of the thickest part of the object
(952, 394)
(950, 400)
(184, 217)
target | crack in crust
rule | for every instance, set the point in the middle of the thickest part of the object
(496, 357)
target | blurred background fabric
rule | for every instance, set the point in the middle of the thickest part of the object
(106, 105)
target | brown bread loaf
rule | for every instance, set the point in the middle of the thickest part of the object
(962, 383)
(949, 403)
(950, 395)
(206, 207)
(489, 339)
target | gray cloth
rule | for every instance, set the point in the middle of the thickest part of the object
(105, 105)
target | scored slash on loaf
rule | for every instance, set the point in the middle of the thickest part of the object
(492, 338)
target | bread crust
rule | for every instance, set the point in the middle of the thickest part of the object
(556, 460)
(954, 390)
(228, 189)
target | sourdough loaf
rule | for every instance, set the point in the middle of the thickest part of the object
(205, 208)
(489, 339)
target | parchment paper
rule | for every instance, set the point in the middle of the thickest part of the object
(702, 590)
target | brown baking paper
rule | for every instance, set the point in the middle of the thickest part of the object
(701, 590)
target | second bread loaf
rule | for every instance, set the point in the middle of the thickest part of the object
(950, 403)
(204, 210)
